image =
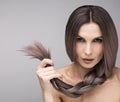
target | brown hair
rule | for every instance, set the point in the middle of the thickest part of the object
(98, 15)
(103, 69)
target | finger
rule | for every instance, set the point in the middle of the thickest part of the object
(42, 70)
(56, 75)
(49, 74)
(46, 73)
(45, 62)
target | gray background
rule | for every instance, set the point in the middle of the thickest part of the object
(25, 21)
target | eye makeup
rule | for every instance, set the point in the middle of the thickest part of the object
(96, 40)
(80, 39)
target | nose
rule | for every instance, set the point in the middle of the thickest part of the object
(88, 50)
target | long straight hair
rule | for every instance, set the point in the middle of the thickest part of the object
(103, 70)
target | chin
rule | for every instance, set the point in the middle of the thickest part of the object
(87, 66)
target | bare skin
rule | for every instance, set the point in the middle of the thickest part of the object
(89, 50)
(107, 92)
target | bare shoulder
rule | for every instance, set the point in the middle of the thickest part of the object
(116, 82)
(64, 69)
(116, 72)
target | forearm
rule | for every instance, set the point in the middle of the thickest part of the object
(45, 75)
(51, 96)
(48, 97)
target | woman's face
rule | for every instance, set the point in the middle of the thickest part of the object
(89, 45)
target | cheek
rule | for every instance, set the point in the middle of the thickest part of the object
(78, 48)
(98, 50)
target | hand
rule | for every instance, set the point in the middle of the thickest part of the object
(45, 74)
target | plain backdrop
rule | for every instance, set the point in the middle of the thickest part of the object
(25, 21)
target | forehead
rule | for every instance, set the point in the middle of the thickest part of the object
(91, 30)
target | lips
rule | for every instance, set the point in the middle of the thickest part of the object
(88, 60)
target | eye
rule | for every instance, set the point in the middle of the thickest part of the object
(80, 39)
(99, 40)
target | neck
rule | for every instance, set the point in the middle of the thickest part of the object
(78, 71)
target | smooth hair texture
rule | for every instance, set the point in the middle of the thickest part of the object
(103, 70)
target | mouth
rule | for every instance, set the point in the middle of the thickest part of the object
(88, 60)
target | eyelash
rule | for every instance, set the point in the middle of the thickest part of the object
(97, 40)
(80, 40)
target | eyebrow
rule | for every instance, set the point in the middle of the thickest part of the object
(93, 38)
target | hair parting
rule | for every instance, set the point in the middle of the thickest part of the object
(90, 15)
(104, 69)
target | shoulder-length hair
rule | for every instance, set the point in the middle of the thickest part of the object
(98, 15)
(103, 70)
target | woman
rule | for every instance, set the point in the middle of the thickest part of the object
(91, 44)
